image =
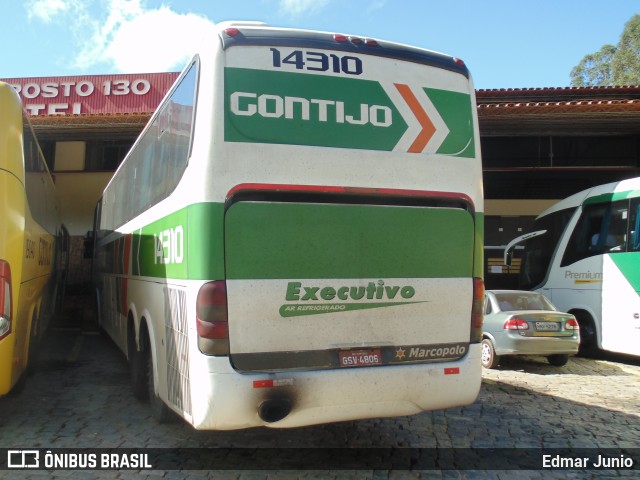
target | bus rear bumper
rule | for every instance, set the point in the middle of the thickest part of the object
(230, 400)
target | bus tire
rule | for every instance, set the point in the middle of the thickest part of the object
(138, 366)
(588, 334)
(159, 409)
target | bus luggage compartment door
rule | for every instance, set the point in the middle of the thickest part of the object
(333, 285)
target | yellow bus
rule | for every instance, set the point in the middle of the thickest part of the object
(29, 231)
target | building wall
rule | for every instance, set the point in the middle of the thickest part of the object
(79, 193)
(531, 207)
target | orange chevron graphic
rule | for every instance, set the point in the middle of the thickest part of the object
(428, 128)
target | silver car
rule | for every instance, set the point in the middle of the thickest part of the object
(526, 323)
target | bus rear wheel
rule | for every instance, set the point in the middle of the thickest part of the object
(138, 366)
(588, 335)
(159, 409)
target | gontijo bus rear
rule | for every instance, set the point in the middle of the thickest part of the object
(318, 255)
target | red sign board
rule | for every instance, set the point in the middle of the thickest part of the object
(93, 94)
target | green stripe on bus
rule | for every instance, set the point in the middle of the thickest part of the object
(187, 244)
(287, 240)
(612, 197)
(302, 309)
(455, 109)
(628, 265)
(197, 253)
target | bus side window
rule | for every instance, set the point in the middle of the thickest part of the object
(617, 233)
(586, 232)
(602, 228)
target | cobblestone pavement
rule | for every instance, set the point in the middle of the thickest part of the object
(79, 397)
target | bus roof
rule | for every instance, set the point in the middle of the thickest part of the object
(256, 33)
(598, 194)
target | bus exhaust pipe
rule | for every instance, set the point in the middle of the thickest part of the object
(274, 410)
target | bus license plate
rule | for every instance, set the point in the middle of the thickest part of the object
(547, 326)
(360, 358)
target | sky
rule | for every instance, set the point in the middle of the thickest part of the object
(505, 43)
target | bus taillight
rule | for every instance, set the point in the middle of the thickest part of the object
(477, 310)
(212, 319)
(5, 299)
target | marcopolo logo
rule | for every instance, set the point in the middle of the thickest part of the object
(330, 299)
(413, 353)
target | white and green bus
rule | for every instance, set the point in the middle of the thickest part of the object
(296, 236)
(584, 254)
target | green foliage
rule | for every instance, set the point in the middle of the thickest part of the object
(625, 64)
(612, 65)
(594, 69)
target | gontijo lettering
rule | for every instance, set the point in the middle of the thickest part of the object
(274, 106)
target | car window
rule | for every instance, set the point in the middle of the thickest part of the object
(487, 305)
(513, 301)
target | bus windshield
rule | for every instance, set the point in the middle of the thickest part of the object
(538, 251)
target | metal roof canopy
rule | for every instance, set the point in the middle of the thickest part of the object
(559, 111)
(89, 127)
(504, 112)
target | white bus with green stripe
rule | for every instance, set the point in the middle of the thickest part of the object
(584, 254)
(296, 236)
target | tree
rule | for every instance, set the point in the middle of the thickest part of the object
(612, 65)
(595, 68)
(625, 65)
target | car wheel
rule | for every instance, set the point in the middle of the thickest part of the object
(489, 357)
(558, 360)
